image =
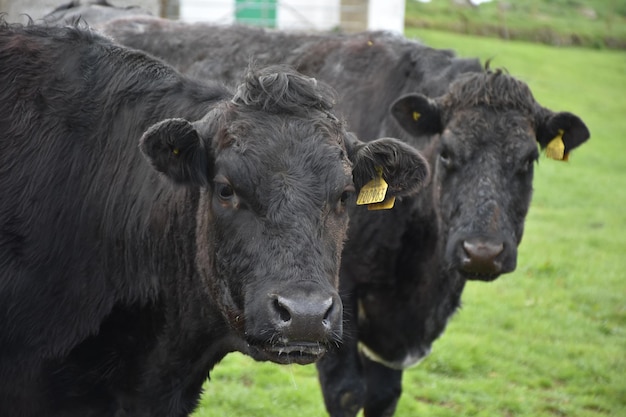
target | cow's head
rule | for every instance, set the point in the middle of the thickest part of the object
(488, 126)
(276, 172)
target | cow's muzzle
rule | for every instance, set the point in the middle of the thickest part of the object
(484, 259)
(297, 325)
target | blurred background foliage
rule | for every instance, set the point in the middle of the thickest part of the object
(588, 23)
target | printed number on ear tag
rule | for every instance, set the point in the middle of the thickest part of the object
(385, 205)
(373, 193)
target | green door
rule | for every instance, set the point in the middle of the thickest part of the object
(256, 12)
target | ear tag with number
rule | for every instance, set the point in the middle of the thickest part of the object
(556, 148)
(385, 205)
(373, 193)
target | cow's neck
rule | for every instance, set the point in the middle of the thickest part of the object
(444, 287)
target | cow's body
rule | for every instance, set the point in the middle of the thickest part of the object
(119, 289)
(402, 271)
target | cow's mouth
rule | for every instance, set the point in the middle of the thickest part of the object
(476, 276)
(298, 353)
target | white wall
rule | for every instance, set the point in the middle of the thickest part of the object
(308, 14)
(216, 11)
(386, 15)
(299, 14)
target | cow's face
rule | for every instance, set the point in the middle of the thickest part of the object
(273, 216)
(484, 138)
(278, 202)
(488, 127)
(483, 188)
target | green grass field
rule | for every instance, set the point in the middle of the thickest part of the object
(546, 340)
(591, 23)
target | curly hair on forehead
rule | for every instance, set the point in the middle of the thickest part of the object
(281, 89)
(493, 89)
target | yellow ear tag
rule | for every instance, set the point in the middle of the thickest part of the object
(556, 148)
(374, 191)
(385, 205)
(175, 151)
(416, 116)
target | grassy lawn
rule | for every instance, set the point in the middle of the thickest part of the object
(550, 338)
(592, 23)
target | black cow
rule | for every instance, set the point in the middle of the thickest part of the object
(119, 291)
(402, 271)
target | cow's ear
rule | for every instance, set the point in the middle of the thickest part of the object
(403, 168)
(559, 133)
(174, 148)
(417, 114)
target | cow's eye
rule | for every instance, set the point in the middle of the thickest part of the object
(224, 191)
(347, 194)
(345, 197)
(445, 157)
(527, 164)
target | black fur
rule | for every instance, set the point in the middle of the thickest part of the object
(120, 291)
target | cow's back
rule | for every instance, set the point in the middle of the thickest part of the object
(76, 192)
(370, 70)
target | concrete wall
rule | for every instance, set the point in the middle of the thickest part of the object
(354, 15)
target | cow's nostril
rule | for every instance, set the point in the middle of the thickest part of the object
(326, 321)
(283, 311)
(305, 317)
